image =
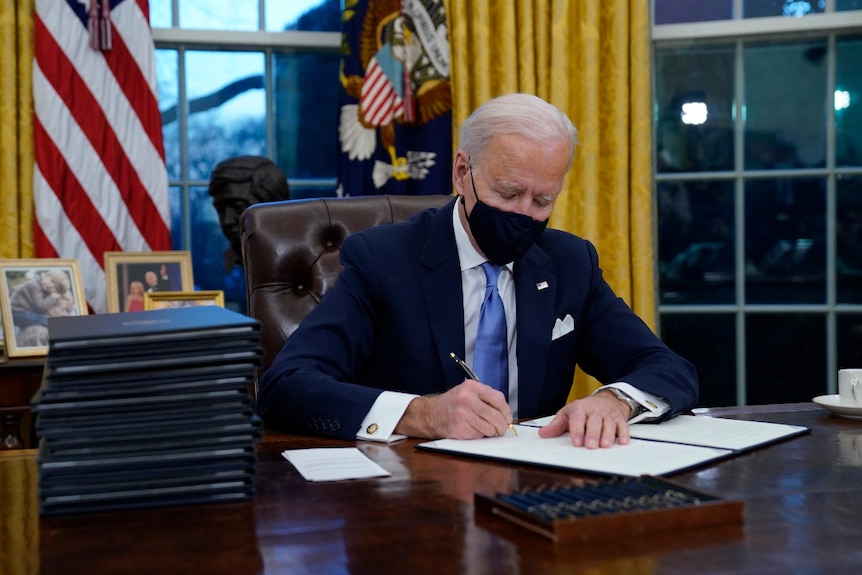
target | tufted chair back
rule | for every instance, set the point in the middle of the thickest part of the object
(290, 253)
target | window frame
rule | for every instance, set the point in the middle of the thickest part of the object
(740, 32)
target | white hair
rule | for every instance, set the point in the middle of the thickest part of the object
(515, 114)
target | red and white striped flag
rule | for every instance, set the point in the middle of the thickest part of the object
(100, 182)
(379, 99)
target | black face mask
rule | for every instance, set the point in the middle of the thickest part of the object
(502, 236)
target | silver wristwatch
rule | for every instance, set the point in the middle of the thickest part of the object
(636, 407)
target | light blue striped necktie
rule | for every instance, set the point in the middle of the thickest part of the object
(491, 356)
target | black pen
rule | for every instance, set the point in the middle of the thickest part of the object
(468, 373)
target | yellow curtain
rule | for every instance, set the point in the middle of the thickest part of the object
(590, 59)
(19, 500)
(16, 129)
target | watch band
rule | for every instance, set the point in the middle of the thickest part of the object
(636, 408)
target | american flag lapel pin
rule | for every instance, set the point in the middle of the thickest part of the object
(542, 285)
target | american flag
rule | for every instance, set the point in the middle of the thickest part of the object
(100, 182)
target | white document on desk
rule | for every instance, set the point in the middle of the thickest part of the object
(639, 457)
(734, 434)
(333, 463)
(655, 449)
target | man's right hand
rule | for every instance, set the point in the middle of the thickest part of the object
(469, 410)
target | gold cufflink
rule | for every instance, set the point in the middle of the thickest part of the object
(372, 429)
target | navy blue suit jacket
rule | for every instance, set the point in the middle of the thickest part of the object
(396, 312)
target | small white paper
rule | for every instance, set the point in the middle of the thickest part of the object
(333, 463)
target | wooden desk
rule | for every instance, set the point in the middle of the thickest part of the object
(803, 514)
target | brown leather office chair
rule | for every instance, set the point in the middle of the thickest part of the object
(291, 248)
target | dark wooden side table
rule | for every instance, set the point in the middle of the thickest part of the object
(19, 381)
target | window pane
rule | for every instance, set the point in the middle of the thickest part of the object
(848, 5)
(311, 15)
(848, 103)
(677, 11)
(694, 93)
(208, 246)
(848, 228)
(796, 8)
(696, 242)
(785, 124)
(306, 114)
(227, 108)
(160, 14)
(168, 82)
(175, 197)
(849, 340)
(708, 341)
(786, 360)
(220, 14)
(785, 248)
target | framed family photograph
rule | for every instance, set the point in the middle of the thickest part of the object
(169, 299)
(31, 291)
(131, 275)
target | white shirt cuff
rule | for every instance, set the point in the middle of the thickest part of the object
(384, 415)
(654, 406)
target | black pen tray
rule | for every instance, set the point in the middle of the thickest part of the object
(609, 509)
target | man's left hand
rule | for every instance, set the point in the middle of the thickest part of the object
(594, 421)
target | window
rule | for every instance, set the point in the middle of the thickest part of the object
(243, 77)
(758, 169)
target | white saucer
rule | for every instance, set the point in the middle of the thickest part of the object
(833, 404)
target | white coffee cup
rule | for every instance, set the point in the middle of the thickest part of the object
(850, 387)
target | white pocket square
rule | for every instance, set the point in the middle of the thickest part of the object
(562, 327)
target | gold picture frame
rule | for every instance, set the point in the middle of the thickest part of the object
(172, 299)
(31, 290)
(129, 275)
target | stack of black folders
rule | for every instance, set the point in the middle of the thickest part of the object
(146, 409)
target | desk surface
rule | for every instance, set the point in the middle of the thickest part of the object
(802, 497)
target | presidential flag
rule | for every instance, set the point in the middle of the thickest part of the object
(100, 182)
(395, 124)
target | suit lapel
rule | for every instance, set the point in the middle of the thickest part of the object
(536, 286)
(441, 290)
